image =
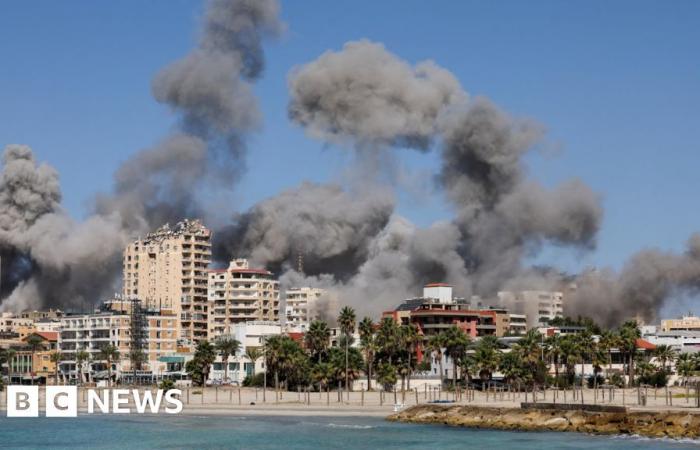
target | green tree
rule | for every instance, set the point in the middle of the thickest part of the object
(554, 352)
(81, 357)
(486, 357)
(346, 320)
(136, 357)
(511, 366)
(109, 353)
(608, 341)
(200, 364)
(368, 345)
(456, 343)
(436, 343)
(409, 340)
(317, 339)
(664, 354)
(629, 333)
(386, 375)
(253, 354)
(226, 347)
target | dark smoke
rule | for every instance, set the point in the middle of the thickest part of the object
(50, 260)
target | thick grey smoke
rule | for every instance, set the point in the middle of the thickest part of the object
(502, 215)
(48, 259)
(330, 227)
(364, 95)
(648, 281)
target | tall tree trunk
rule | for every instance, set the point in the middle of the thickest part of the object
(226, 369)
(454, 373)
(347, 376)
(440, 363)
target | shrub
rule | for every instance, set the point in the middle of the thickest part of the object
(254, 381)
(166, 384)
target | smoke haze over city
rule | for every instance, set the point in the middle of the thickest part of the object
(375, 108)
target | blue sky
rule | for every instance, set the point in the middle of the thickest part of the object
(617, 84)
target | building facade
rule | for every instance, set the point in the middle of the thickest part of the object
(685, 323)
(168, 270)
(241, 294)
(301, 307)
(92, 332)
(539, 306)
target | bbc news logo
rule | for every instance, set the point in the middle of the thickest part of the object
(62, 401)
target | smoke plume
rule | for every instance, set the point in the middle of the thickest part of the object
(50, 260)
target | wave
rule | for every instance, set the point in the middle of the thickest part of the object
(636, 437)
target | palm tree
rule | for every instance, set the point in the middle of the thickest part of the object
(629, 333)
(554, 351)
(685, 366)
(664, 353)
(486, 357)
(511, 366)
(109, 353)
(586, 347)
(273, 351)
(608, 341)
(436, 343)
(456, 342)
(409, 337)
(253, 354)
(81, 356)
(56, 357)
(346, 320)
(226, 348)
(367, 342)
(317, 339)
(34, 343)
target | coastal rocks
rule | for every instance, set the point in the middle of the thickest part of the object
(652, 424)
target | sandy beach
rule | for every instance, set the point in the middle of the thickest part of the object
(226, 400)
(251, 401)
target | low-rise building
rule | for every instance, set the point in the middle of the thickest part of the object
(249, 334)
(685, 323)
(34, 365)
(151, 333)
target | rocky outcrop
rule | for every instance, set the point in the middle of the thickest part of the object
(653, 424)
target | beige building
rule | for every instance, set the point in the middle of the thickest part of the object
(241, 294)
(168, 270)
(301, 306)
(685, 323)
(538, 306)
(91, 332)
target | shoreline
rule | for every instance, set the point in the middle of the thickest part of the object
(653, 424)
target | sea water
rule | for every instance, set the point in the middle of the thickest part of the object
(289, 432)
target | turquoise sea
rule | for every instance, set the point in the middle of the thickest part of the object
(288, 432)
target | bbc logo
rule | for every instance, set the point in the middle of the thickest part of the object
(23, 401)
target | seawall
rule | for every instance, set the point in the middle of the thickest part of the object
(672, 424)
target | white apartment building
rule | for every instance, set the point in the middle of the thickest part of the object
(249, 334)
(539, 306)
(92, 332)
(301, 307)
(241, 294)
(168, 270)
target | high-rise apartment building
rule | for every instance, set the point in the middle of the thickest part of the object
(301, 306)
(168, 270)
(241, 294)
